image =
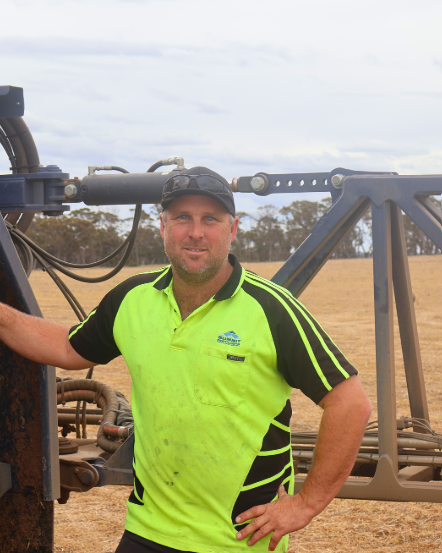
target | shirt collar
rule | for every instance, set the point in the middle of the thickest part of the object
(228, 290)
(234, 281)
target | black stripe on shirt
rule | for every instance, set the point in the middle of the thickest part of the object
(294, 360)
(94, 338)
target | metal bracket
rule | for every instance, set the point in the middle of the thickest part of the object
(76, 476)
(12, 103)
(41, 191)
(118, 470)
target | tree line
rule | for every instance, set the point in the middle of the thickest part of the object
(271, 234)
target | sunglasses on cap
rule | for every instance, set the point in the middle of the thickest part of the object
(201, 182)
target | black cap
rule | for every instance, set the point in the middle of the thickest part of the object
(215, 186)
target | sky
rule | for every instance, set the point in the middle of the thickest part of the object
(240, 86)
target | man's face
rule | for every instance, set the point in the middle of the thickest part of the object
(197, 233)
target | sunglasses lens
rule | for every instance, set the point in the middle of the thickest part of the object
(180, 182)
(210, 184)
(203, 182)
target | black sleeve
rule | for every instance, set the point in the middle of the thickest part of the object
(307, 357)
(93, 339)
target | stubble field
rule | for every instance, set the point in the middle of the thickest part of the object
(341, 297)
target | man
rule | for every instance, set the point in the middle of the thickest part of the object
(213, 352)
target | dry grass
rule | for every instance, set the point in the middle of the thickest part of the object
(341, 297)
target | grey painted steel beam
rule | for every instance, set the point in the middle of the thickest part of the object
(407, 320)
(383, 305)
(325, 236)
(305, 265)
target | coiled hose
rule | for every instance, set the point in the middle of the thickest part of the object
(101, 394)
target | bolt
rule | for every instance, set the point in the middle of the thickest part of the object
(86, 477)
(70, 190)
(257, 183)
(337, 180)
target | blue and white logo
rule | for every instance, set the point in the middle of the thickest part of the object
(229, 338)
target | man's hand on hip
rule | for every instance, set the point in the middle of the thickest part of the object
(286, 514)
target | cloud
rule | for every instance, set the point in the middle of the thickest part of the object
(58, 47)
(241, 53)
(198, 105)
(424, 94)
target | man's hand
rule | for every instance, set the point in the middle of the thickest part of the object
(286, 514)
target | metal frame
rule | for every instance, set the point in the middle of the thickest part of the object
(388, 195)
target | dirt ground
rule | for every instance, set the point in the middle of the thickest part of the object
(341, 297)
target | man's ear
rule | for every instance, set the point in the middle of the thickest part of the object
(234, 229)
(162, 224)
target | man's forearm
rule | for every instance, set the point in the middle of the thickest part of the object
(346, 412)
(38, 339)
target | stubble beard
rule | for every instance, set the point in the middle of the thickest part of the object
(205, 272)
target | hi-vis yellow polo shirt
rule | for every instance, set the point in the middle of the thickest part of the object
(210, 400)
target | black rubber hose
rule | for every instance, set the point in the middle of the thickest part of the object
(30, 148)
(155, 166)
(49, 257)
(57, 265)
(8, 149)
(26, 158)
(23, 132)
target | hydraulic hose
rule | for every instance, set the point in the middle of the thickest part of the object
(22, 152)
(93, 391)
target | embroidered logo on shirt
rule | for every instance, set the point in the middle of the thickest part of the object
(229, 338)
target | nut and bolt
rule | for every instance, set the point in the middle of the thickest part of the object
(336, 180)
(258, 184)
(70, 191)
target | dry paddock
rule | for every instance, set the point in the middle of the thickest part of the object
(341, 297)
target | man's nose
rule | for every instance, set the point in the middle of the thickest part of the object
(196, 229)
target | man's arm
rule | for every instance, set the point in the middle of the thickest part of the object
(346, 412)
(39, 340)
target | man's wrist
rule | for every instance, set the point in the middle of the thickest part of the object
(314, 503)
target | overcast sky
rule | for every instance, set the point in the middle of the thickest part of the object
(240, 86)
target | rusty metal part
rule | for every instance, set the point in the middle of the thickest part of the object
(27, 432)
(68, 415)
(73, 410)
(68, 418)
(66, 446)
(76, 476)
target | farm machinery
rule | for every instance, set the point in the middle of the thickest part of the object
(399, 460)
